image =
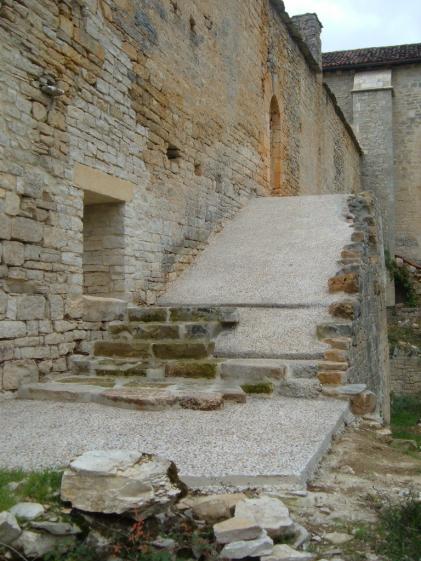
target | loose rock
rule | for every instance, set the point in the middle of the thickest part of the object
(121, 481)
(27, 511)
(236, 529)
(338, 538)
(9, 528)
(254, 548)
(36, 545)
(57, 528)
(267, 512)
(284, 552)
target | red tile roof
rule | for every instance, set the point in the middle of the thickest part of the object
(376, 56)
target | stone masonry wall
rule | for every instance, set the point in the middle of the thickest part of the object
(407, 140)
(360, 335)
(404, 115)
(405, 350)
(173, 99)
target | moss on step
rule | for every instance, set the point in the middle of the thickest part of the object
(191, 369)
(89, 381)
(260, 388)
(148, 314)
(155, 331)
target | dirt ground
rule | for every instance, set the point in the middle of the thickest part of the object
(361, 470)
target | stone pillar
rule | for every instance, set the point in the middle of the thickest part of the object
(310, 29)
(373, 125)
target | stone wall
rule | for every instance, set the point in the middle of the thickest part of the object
(360, 335)
(386, 117)
(407, 138)
(405, 349)
(161, 109)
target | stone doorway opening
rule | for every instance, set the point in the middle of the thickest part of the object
(275, 147)
(103, 246)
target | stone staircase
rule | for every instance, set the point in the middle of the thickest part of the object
(257, 314)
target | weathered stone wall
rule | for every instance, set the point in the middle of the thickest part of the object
(405, 362)
(361, 316)
(170, 103)
(407, 140)
(405, 374)
(388, 124)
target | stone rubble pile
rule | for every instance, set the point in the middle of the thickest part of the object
(257, 522)
(128, 484)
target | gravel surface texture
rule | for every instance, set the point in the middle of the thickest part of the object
(274, 332)
(277, 250)
(277, 437)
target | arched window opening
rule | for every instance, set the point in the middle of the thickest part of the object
(275, 147)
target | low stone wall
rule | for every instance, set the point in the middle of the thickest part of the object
(360, 336)
(24, 365)
(406, 374)
(405, 361)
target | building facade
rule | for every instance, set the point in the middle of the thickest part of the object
(379, 92)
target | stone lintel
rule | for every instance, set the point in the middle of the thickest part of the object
(100, 187)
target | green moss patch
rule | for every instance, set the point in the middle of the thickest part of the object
(261, 388)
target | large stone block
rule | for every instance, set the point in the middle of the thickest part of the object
(103, 309)
(121, 482)
(26, 229)
(18, 372)
(11, 329)
(31, 307)
(13, 253)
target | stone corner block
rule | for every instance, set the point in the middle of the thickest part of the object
(19, 372)
(95, 308)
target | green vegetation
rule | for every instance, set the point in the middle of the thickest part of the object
(406, 412)
(262, 388)
(399, 530)
(402, 279)
(407, 334)
(17, 486)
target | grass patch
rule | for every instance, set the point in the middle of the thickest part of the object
(406, 412)
(399, 531)
(40, 487)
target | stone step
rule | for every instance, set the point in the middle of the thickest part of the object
(208, 369)
(160, 330)
(252, 371)
(149, 349)
(225, 315)
(300, 388)
(134, 394)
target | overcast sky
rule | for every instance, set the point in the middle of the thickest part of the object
(353, 24)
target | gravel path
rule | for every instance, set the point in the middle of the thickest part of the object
(264, 438)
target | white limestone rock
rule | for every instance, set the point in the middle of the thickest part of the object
(121, 481)
(37, 545)
(27, 511)
(9, 528)
(267, 512)
(259, 547)
(236, 529)
(338, 538)
(284, 552)
(57, 528)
